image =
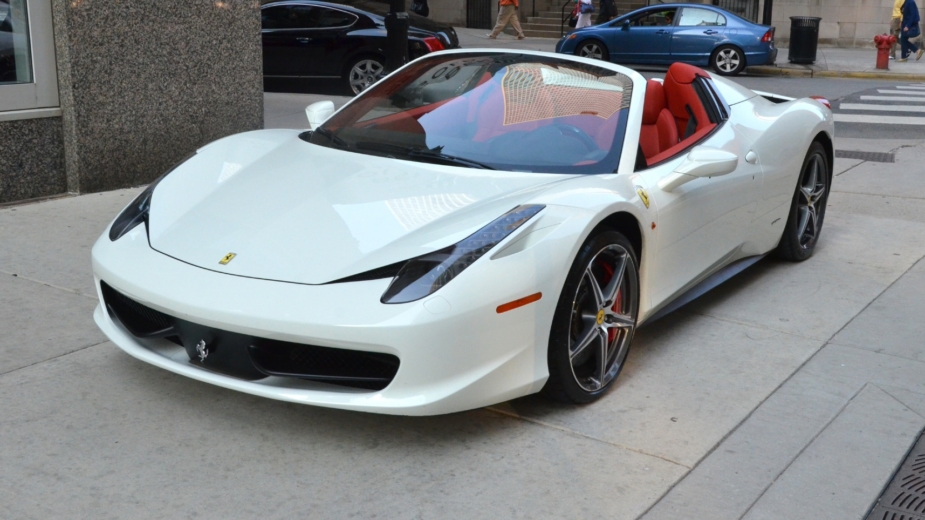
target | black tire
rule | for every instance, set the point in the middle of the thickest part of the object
(727, 60)
(809, 201)
(594, 49)
(374, 65)
(609, 331)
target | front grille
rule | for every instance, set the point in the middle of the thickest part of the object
(248, 357)
(140, 320)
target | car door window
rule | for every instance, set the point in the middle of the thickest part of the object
(693, 16)
(659, 18)
(291, 17)
(332, 18)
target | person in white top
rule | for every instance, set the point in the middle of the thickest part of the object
(584, 19)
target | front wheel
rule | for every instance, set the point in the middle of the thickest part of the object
(807, 211)
(594, 320)
(362, 73)
(728, 60)
(593, 49)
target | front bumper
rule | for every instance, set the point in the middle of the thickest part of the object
(455, 351)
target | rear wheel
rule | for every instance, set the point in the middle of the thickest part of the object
(807, 211)
(728, 60)
(593, 49)
(594, 320)
(362, 73)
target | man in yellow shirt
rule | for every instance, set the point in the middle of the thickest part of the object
(507, 12)
(896, 24)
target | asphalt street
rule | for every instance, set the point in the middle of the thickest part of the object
(792, 391)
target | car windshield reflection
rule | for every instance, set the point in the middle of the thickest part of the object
(515, 113)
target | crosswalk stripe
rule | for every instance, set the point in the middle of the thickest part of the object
(901, 93)
(882, 108)
(891, 98)
(911, 87)
(883, 120)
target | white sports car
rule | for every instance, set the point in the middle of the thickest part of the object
(479, 225)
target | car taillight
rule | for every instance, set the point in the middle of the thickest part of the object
(433, 44)
(822, 100)
(768, 36)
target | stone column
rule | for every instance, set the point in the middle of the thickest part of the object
(143, 83)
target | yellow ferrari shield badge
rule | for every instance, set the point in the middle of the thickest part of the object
(227, 258)
(600, 317)
(643, 195)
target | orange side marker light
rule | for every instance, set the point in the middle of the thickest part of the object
(509, 306)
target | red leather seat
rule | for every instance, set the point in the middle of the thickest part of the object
(683, 103)
(659, 131)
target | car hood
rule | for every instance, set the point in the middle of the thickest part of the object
(299, 212)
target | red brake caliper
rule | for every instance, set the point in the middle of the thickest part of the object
(617, 302)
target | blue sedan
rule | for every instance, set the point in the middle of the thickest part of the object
(698, 34)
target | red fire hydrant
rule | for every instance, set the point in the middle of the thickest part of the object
(884, 43)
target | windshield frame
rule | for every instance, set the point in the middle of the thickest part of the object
(617, 154)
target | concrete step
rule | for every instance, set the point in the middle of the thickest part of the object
(531, 33)
(543, 21)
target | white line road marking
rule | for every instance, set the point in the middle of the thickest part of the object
(881, 120)
(883, 108)
(891, 98)
(913, 87)
(901, 92)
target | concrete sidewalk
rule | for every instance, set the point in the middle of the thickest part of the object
(845, 63)
(792, 391)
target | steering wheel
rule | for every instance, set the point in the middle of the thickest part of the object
(577, 133)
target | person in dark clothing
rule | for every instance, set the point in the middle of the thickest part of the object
(910, 30)
(608, 12)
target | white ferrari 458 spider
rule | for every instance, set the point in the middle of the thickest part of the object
(479, 225)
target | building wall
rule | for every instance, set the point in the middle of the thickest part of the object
(845, 23)
(144, 83)
(32, 159)
(452, 12)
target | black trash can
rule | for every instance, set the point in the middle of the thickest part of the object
(804, 38)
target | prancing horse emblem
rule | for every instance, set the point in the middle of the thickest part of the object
(202, 349)
(227, 258)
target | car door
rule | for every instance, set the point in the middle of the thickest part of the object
(643, 38)
(698, 32)
(330, 41)
(706, 223)
(289, 48)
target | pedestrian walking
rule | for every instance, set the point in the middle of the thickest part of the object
(585, 9)
(896, 25)
(507, 12)
(608, 12)
(910, 30)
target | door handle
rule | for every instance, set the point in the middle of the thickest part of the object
(710, 31)
(303, 40)
(661, 31)
(751, 157)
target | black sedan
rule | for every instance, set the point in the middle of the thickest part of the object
(314, 40)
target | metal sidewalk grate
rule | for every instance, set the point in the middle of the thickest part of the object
(904, 497)
(866, 156)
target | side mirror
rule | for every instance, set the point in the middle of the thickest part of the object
(626, 25)
(318, 113)
(703, 161)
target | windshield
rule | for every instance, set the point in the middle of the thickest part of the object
(512, 112)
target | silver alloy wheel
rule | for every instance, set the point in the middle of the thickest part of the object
(603, 318)
(812, 200)
(364, 73)
(591, 50)
(727, 60)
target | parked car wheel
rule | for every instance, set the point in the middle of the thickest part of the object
(804, 223)
(593, 49)
(594, 321)
(362, 72)
(728, 60)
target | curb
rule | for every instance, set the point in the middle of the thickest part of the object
(803, 73)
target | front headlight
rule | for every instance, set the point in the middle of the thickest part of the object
(422, 276)
(137, 211)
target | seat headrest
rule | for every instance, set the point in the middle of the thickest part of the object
(684, 73)
(654, 102)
